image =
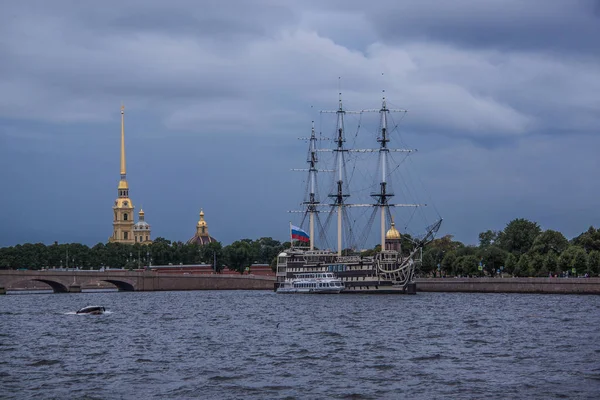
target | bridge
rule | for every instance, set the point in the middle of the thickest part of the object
(74, 281)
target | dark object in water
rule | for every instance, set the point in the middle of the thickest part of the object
(94, 310)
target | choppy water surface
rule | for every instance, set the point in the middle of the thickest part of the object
(258, 345)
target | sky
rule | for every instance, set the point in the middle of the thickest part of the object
(503, 99)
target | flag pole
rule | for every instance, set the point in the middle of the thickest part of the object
(291, 239)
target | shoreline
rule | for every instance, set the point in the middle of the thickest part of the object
(510, 285)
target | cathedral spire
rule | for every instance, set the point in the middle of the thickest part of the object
(123, 217)
(123, 168)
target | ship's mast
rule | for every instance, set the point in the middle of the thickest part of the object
(339, 197)
(383, 196)
(312, 201)
(312, 172)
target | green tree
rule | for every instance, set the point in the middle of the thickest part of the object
(518, 236)
(466, 251)
(551, 263)
(487, 238)
(567, 259)
(510, 263)
(580, 261)
(448, 262)
(429, 262)
(589, 240)
(239, 255)
(445, 244)
(493, 258)
(536, 265)
(214, 253)
(467, 265)
(266, 249)
(523, 265)
(594, 263)
(549, 240)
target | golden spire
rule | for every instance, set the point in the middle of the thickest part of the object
(201, 226)
(202, 222)
(123, 169)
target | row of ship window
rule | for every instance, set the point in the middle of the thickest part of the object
(332, 268)
(314, 285)
(347, 278)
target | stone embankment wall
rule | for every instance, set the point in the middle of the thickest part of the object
(205, 282)
(511, 285)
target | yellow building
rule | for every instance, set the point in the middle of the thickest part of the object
(124, 230)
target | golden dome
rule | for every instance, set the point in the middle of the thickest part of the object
(392, 233)
(141, 212)
(123, 184)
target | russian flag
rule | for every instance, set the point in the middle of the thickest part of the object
(299, 234)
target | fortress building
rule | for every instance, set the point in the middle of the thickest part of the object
(201, 236)
(124, 228)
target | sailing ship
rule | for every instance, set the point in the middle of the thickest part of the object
(389, 269)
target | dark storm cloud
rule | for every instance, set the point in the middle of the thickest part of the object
(561, 26)
(503, 99)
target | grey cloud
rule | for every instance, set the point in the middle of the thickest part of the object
(471, 92)
(561, 26)
(503, 102)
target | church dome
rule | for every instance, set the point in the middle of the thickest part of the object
(392, 233)
(201, 240)
(202, 236)
(141, 225)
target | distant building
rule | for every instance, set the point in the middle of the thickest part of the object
(124, 228)
(141, 230)
(201, 237)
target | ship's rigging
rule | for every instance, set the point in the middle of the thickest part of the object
(339, 194)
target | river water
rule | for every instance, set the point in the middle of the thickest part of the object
(259, 345)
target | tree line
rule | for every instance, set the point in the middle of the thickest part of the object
(521, 249)
(236, 256)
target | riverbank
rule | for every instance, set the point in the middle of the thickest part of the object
(510, 285)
